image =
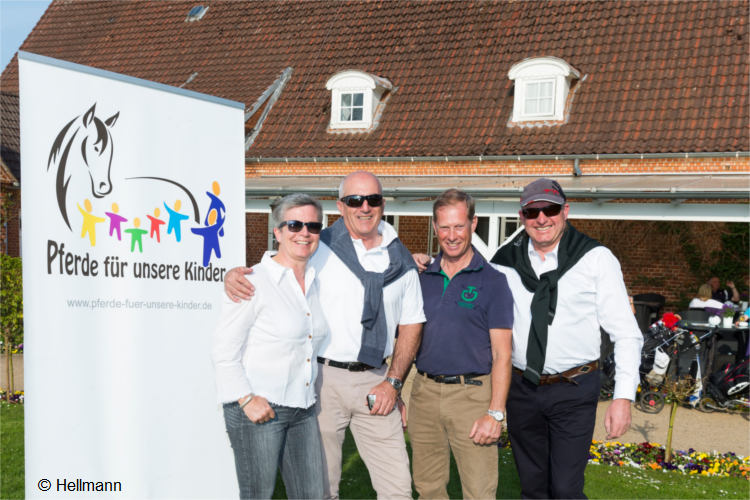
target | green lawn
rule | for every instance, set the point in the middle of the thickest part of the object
(601, 481)
(11, 451)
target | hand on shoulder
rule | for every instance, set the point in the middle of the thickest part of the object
(237, 286)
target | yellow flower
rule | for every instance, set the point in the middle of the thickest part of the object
(704, 473)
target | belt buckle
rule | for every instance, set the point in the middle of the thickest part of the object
(440, 379)
(353, 367)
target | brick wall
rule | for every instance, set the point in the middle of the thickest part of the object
(648, 256)
(10, 236)
(535, 167)
(413, 231)
(256, 237)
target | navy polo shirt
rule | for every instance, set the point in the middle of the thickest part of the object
(460, 313)
(721, 295)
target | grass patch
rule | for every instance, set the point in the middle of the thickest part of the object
(601, 481)
(11, 451)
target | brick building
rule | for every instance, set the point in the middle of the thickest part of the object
(639, 109)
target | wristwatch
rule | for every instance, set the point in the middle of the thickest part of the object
(396, 383)
(497, 415)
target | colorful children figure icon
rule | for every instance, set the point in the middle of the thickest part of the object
(218, 205)
(89, 222)
(175, 219)
(155, 223)
(115, 220)
(214, 228)
(136, 235)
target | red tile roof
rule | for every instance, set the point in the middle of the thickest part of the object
(661, 76)
(10, 133)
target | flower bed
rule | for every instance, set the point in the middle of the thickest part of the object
(16, 397)
(651, 456)
(15, 350)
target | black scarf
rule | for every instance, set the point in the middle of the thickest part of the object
(374, 326)
(573, 246)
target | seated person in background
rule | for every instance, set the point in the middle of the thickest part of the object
(704, 300)
(730, 294)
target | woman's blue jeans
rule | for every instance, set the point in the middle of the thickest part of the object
(290, 442)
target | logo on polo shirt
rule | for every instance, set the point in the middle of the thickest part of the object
(469, 295)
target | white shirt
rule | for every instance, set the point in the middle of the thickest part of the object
(696, 302)
(342, 296)
(591, 294)
(267, 346)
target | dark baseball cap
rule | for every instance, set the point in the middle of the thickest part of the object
(543, 190)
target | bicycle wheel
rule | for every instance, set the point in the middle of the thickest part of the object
(707, 405)
(651, 402)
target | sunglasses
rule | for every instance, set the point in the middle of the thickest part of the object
(295, 226)
(549, 211)
(357, 200)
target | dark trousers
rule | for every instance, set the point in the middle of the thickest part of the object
(290, 441)
(550, 430)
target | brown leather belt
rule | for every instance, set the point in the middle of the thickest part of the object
(567, 376)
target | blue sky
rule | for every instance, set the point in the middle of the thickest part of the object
(17, 19)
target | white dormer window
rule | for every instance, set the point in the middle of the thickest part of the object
(541, 88)
(355, 98)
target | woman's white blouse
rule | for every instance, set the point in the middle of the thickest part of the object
(268, 345)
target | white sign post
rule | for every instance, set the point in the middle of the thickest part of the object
(133, 210)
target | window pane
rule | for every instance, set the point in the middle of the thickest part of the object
(346, 99)
(531, 106)
(546, 89)
(510, 227)
(483, 228)
(358, 98)
(356, 114)
(545, 106)
(532, 90)
(346, 114)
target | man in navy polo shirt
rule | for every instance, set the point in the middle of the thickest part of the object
(464, 362)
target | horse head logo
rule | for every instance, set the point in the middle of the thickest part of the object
(93, 138)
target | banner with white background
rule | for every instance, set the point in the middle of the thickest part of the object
(133, 211)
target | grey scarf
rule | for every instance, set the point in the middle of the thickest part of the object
(374, 327)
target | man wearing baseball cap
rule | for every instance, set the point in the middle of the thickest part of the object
(566, 286)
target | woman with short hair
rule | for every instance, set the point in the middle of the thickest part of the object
(704, 299)
(265, 352)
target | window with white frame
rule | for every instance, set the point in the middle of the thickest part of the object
(542, 85)
(539, 98)
(355, 98)
(352, 107)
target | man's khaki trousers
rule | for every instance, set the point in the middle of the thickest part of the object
(440, 420)
(342, 403)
